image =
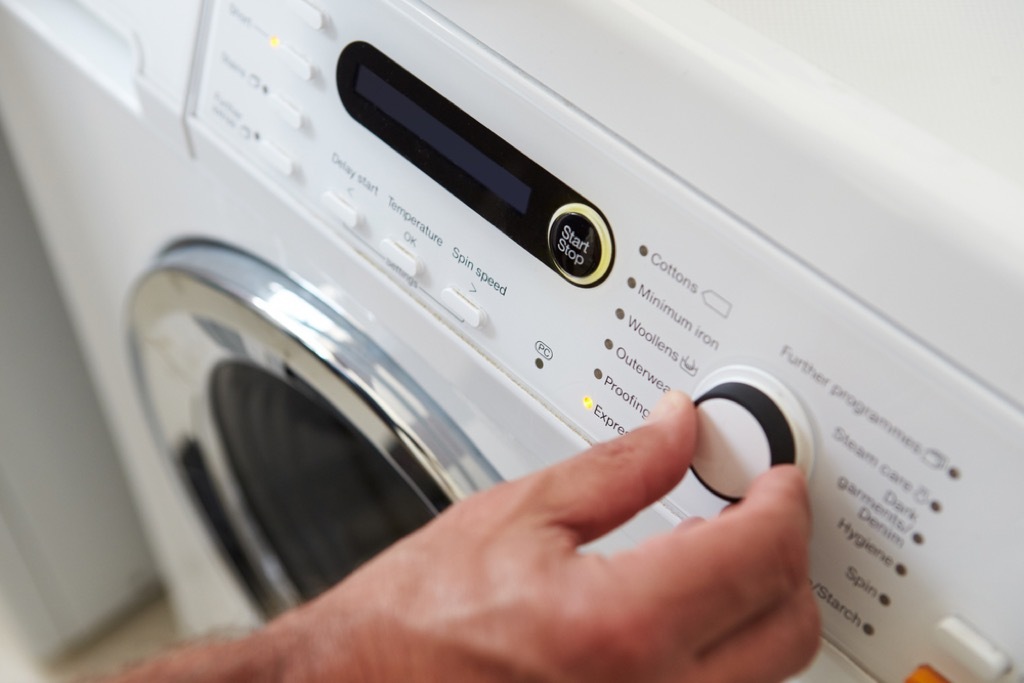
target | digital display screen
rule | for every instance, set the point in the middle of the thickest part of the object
(442, 139)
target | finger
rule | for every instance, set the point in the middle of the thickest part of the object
(689, 522)
(711, 578)
(600, 489)
(782, 482)
(772, 648)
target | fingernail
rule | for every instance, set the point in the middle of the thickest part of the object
(670, 404)
(690, 522)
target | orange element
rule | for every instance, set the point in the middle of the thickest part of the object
(926, 674)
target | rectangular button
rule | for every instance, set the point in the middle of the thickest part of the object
(337, 205)
(276, 157)
(299, 65)
(287, 111)
(401, 257)
(312, 17)
(976, 652)
(461, 306)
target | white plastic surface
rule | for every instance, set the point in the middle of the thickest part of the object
(951, 67)
(973, 650)
(72, 552)
(143, 184)
(831, 666)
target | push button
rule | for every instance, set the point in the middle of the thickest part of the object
(276, 157)
(460, 305)
(288, 112)
(309, 14)
(299, 65)
(341, 209)
(580, 244)
(973, 650)
(401, 257)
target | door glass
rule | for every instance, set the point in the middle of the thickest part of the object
(324, 497)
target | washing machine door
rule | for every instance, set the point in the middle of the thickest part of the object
(304, 446)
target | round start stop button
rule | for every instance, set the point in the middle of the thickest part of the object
(580, 244)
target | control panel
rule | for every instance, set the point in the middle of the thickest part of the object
(598, 281)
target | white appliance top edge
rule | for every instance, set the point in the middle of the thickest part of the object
(951, 67)
(913, 227)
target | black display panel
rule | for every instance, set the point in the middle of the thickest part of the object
(466, 158)
(442, 139)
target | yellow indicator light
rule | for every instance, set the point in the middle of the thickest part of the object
(926, 674)
(275, 41)
(588, 403)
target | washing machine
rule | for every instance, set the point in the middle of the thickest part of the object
(336, 265)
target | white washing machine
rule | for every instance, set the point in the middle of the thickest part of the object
(337, 264)
(73, 555)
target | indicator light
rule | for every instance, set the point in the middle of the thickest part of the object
(926, 674)
(275, 41)
(588, 403)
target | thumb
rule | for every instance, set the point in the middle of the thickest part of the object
(602, 488)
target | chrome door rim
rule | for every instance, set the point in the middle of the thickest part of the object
(202, 304)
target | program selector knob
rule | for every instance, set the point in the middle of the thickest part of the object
(748, 422)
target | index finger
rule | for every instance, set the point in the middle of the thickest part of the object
(603, 487)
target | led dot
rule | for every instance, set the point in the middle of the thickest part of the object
(539, 363)
(620, 314)
(869, 629)
(588, 403)
(631, 282)
(608, 344)
(598, 374)
(275, 41)
(643, 251)
(885, 600)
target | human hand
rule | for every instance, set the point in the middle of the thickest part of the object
(496, 589)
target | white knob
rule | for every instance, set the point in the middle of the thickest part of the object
(748, 422)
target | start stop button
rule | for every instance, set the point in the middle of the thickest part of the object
(580, 244)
